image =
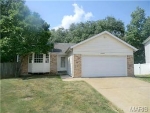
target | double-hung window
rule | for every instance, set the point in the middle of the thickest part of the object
(38, 58)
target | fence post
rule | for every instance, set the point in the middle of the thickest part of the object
(140, 68)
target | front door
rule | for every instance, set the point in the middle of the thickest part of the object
(62, 63)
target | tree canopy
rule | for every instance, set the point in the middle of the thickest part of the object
(81, 31)
(137, 31)
(22, 31)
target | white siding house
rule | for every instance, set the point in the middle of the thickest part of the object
(102, 55)
(147, 49)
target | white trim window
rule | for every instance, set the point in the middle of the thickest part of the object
(38, 58)
(30, 58)
(63, 62)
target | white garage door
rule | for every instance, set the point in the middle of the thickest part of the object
(101, 66)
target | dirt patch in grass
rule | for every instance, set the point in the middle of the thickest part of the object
(27, 98)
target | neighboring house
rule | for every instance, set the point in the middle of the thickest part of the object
(99, 56)
(147, 49)
(143, 69)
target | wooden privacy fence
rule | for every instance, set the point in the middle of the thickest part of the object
(8, 69)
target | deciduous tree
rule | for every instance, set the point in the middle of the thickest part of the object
(22, 31)
(81, 31)
(137, 32)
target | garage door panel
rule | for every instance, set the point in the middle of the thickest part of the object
(98, 66)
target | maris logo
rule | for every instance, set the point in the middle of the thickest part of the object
(137, 109)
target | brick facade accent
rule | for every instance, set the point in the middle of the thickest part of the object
(130, 65)
(24, 66)
(77, 65)
(53, 63)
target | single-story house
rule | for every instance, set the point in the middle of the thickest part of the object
(102, 55)
(147, 49)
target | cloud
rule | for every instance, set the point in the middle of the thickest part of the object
(79, 16)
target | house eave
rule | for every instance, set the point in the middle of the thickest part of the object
(68, 50)
(58, 53)
(105, 32)
(145, 41)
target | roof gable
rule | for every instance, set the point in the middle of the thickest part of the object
(145, 41)
(105, 32)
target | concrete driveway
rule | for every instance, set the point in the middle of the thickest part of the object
(129, 94)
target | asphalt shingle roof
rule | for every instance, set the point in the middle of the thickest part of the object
(61, 47)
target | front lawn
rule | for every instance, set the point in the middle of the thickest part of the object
(143, 77)
(49, 94)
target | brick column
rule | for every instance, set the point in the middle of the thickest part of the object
(77, 65)
(130, 65)
(53, 63)
(24, 66)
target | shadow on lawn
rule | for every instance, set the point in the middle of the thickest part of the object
(33, 76)
(36, 76)
(142, 76)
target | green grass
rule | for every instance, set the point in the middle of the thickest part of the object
(143, 77)
(49, 94)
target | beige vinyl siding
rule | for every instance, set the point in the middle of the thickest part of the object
(103, 44)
